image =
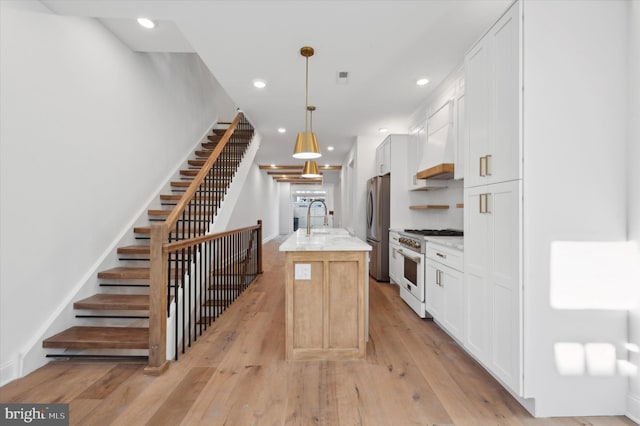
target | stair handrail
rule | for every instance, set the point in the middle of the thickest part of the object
(161, 246)
(180, 207)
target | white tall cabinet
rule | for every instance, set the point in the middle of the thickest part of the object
(492, 200)
(545, 99)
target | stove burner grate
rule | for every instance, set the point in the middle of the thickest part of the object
(436, 232)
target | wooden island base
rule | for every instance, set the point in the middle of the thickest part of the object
(326, 314)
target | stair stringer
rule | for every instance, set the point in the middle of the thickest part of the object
(33, 355)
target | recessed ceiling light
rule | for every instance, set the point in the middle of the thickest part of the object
(422, 82)
(282, 130)
(383, 130)
(146, 23)
(260, 84)
(330, 148)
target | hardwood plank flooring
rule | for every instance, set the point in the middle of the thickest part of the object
(236, 375)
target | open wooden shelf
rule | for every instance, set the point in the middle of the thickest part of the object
(429, 206)
(441, 171)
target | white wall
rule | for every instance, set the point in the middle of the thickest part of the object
(365, 168)
(90, 132)
(575, 132)
(286, 215)
(260, 199)
(633, 189)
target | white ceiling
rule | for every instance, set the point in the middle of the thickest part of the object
(384, 45)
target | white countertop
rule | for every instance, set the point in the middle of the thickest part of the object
(324, 239)
(454, 242)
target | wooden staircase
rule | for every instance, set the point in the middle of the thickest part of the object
(124, 298)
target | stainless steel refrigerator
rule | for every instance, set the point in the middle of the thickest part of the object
(378, 226)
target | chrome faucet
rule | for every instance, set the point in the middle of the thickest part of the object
(326, 217)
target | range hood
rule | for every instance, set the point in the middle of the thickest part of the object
(437, 161)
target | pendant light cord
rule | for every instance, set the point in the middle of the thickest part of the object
(306, 97)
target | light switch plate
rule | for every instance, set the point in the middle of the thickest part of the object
(303, 271)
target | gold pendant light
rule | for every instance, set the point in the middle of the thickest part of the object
(306, 144)
(310, 169)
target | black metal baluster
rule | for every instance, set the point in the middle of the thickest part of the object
(176, 290)
(227, 272)
(185, 274)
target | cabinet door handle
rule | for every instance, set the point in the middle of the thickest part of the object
(441, 255)
(483, 208)
(440, 280)
(486, 165)
(480, 167)
(486, 203)
(437, 277)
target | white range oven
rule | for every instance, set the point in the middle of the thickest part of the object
(411, 280)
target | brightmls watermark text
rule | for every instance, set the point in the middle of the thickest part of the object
(34, 414)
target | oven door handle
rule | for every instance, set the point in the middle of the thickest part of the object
(412, 258)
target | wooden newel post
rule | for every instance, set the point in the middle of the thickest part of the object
(259, 246)
(158, 278)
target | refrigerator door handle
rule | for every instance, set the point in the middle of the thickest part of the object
(369, 211)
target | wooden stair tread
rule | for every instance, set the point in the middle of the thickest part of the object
(205, 153)
(178, 197)
(213, 144)
(187, 183)
(131, 302)
(131, 273)
(239, 139)
(100, 338)
(147, 230)
(135, 249)
(194, 172)
(163, 212)
(237, 132)
(122, 272)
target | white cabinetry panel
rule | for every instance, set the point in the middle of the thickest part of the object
(444, 296)
(493, 278)
(493, 152)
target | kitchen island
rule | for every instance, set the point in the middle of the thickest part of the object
(326, 305)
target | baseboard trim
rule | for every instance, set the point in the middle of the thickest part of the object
(8, 372)
(633, 407)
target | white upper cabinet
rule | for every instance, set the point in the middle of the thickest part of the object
(461, 136)
(492, 106)
(383, 157)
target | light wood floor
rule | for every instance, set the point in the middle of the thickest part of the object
(414, 374)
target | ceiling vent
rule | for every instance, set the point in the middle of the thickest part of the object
(342, 77)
